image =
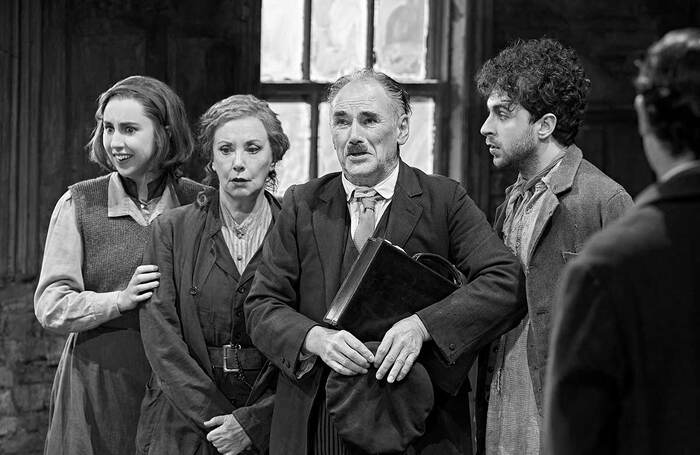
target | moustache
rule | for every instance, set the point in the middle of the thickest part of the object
(356, 148)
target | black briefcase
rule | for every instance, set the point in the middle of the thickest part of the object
(385, 285)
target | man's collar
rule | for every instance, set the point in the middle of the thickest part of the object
(385, 188)
(677, 169)
(563, 178)
(527, 184)
(684, 183)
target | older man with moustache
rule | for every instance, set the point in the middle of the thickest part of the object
(322, 227)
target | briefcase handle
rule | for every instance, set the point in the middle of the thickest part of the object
(441, 266)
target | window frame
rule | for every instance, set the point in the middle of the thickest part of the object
(435, 86)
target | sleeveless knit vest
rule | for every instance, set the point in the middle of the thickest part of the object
(113, 247)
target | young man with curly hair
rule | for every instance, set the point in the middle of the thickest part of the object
(536, 96)
(624, 375)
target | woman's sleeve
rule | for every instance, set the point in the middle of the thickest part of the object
(183, 381)
(61, 303)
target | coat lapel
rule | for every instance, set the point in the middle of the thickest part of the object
(405, 211)
(685, 184)
(561, 182)
(549, 205)
(203, 263)
(328, 221)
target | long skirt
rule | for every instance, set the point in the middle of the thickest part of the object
(97, 393)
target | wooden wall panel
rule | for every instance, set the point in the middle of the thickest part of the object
(57, 56)
(8, 55)
(20, 77)
(608, 38)
(54, 160)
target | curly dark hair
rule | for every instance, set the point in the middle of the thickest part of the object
(544, 77)
(669, 82)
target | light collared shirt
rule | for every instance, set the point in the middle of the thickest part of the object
(675, 170)
(385, 188)
(244, 239)
(61, 302)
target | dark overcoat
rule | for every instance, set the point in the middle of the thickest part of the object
(624, 375)
(300, 274)
(196, 268)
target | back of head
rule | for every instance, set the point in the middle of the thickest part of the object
(173, 138)
(669, 82)
(542, 76)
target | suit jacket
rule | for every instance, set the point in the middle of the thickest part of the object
(580, 202)
(300, 274)
(196, 268)
(624, 376)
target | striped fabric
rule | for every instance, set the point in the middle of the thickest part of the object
(326, 440)
(244, 239)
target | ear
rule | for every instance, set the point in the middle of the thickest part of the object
(642, 116)
(545, 126)
(403, 126)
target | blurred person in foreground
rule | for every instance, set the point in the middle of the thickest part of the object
(321, 229)
(92, 278)
(203, 395)
(536, 92)
(624, 376)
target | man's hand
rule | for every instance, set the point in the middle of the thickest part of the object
(400, 347)
(228, 436)
(140, 287)
(340, 350)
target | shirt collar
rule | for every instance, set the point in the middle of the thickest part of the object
(155, 187)
(675, 170)
(119, 203)
(385, 188)
(261, 206)
(541, 176)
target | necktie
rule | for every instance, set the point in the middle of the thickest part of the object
(365, 223)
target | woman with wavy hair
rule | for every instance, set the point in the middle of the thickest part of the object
(92, 280)
(202, 398)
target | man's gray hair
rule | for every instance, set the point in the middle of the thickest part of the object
(399, 96)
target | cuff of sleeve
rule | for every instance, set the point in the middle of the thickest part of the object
(257, 433)
(106, 308)
(305, 363)
(422, 328)
(443, 344)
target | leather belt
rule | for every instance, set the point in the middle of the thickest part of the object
(234, 358)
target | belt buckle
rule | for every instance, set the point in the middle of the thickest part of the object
(231, 358)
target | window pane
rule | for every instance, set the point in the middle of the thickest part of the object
(338, 37)
(282, 40)
(418, 150)
(294, 167)
(400, 37)
(327, 159)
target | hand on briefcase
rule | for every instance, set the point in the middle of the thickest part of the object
(385, 285)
